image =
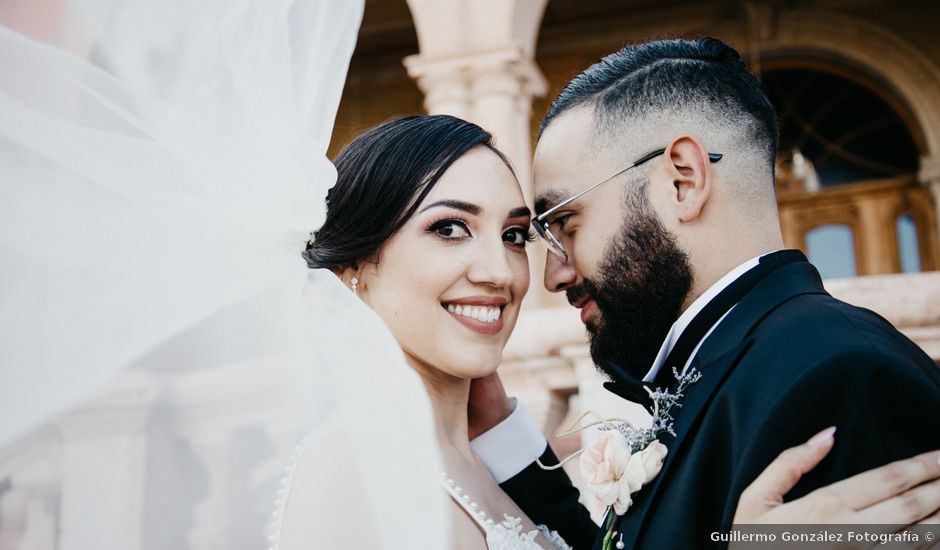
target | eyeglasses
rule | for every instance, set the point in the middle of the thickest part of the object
(542, 227)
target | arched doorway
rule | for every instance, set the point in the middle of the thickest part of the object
(846, 174)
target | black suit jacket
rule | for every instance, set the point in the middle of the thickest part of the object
(788, 361)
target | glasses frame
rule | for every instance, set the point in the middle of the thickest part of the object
(541, 227)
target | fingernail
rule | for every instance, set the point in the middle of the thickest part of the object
(822, 437)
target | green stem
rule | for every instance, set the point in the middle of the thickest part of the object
(609, 528)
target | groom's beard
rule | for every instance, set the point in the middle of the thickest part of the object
(643, 281)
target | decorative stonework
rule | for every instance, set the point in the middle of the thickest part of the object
(861, 43)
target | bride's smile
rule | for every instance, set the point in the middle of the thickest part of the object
(478, 313)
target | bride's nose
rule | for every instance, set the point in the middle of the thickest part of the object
(491, 266)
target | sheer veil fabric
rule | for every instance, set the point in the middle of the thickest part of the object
(161, 165)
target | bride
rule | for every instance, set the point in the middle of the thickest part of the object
(427, 225)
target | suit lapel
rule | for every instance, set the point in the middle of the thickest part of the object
(716, 360)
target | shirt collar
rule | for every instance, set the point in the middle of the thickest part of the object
(697, 306)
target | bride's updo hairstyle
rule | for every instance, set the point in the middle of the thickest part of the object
(382, 177)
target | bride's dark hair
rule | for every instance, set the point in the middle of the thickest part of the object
(382, 177)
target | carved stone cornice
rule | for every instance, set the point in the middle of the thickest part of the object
(506, 70)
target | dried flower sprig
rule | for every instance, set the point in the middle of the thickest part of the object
(662, 422)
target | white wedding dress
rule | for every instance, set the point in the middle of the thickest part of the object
(164, 346)
(503, 533)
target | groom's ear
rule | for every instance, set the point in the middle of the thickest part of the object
(691, 174)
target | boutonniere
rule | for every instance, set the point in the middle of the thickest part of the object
(625, 458)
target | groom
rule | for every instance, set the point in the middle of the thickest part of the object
(671, 249)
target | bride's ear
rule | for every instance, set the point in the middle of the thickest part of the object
(351, 277)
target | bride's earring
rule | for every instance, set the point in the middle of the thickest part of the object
(355, 285)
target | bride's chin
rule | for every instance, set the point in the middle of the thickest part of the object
(461, 364)
(481, 366)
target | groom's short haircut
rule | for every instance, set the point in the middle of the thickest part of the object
(674, 76)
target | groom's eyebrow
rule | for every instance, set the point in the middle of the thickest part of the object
(521, 212)
(548, 199)
(458, 205)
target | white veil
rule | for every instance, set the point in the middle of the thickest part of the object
(164, 347)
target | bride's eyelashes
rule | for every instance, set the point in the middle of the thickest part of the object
(518, 236)
(458, 229)
(450, 229)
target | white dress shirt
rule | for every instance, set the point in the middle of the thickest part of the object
(510, 446)
(697, 306)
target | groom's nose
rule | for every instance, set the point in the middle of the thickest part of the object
(559, 274)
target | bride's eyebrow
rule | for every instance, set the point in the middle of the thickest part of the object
(458, 205)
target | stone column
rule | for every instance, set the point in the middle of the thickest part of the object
(239, 422)
(39, 530)
(103, 467)
(492, 88)
(477, 62)
(876, 220)
(929, 176)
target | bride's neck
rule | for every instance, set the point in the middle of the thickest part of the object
(449, 395)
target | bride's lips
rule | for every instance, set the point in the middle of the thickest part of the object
(481, 327)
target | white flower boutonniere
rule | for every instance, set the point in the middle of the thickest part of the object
(625, 458)
(613, 472)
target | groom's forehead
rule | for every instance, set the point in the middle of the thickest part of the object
(566, 158)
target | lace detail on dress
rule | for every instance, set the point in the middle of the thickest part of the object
(554, 538)
(507, 534)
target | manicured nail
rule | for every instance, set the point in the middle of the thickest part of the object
(822, 437)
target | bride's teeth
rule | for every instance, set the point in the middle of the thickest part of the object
(483, 314)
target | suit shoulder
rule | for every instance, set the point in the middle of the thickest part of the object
(820, 336)
(826, 326)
